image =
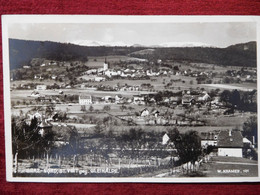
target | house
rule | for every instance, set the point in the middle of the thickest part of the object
(204, 97)
(145, 112)
(138, 99)
(155, 113)
(165, 139)
(35, 94)
(209, 139)
(108, 99)
(187, 100)
(119, 99)
(85, 99)
(99, 79)
(44, 127)
(111, 73)
(247, 143)
(230, 143)
(41, 87)
(174, 100)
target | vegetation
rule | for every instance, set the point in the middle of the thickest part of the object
(250, 129)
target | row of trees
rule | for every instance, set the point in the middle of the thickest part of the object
(245, 101)
(28, 140)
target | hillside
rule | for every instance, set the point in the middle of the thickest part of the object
(23, 51)
(235, 55)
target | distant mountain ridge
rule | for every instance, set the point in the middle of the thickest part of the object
(91, 43)
(21, 52)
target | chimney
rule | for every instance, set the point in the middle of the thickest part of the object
(230, 133)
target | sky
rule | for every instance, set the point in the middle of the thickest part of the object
(221, 34)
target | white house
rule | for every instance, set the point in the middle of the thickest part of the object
(41, 87)
(165, 139)
(204, 97)
(145, 112)
(137, 99)
(230, 143)
(99, 79)
(85, 99)
(111, 73)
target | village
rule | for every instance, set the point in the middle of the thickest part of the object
(121, 118)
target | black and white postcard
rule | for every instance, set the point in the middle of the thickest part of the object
(131, 98)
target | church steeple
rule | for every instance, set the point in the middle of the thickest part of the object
(105, 65)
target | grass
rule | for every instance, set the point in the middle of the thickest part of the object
(235, 121)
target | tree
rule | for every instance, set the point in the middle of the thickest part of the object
(188, 145)
(91, 108)
(26, 139)
(106, 108)
(74, 144)
(49, 109)
(235, 98)
(158, 97)
(122, 107)
(83, 108)
(225, 96)
(250, 129)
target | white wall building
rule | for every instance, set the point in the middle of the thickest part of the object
(230, 143)
(85, 99)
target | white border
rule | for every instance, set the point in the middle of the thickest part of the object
(6, 19)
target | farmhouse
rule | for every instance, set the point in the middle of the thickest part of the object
(85, 99)
(230, 143)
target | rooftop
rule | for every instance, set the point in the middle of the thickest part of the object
(230, 139)
(88, 97)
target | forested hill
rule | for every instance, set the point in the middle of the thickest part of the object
(23, 51)
(235, 55)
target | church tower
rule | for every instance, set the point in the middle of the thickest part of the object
(105, 65)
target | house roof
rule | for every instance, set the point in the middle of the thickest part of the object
(145, 109)
(155, 111)
(208, 135)
(45, 124)
(85, 97)
(230, 139)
